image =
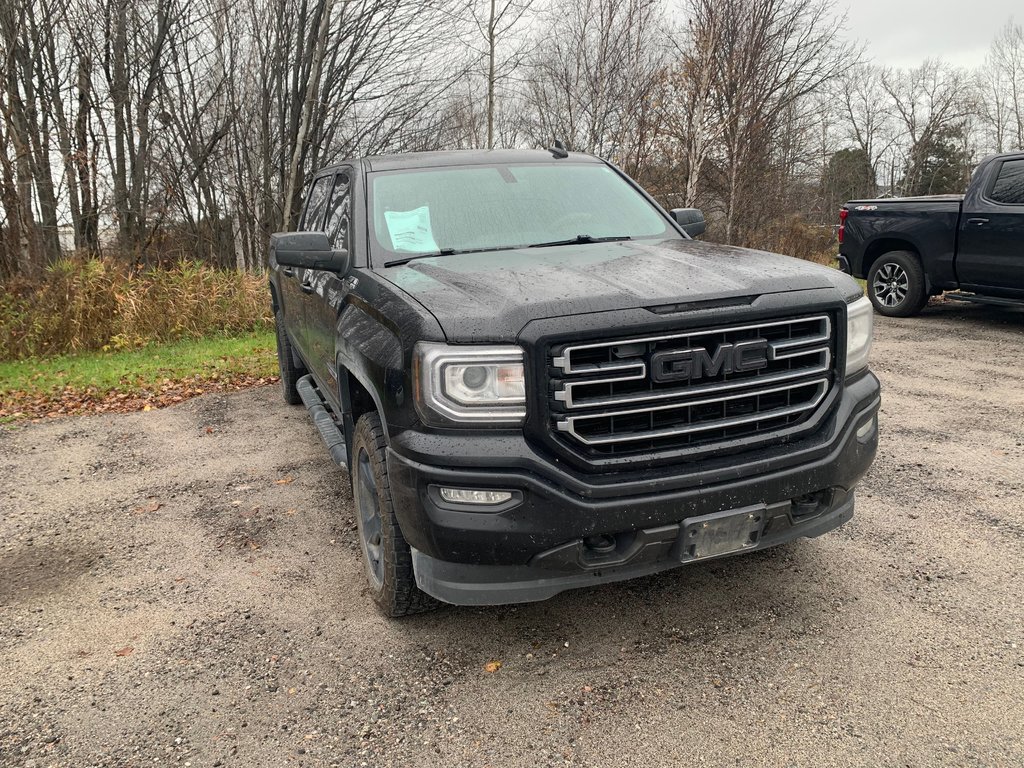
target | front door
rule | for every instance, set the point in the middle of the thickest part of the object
(990, 257)
(330, 290)
(295, 281)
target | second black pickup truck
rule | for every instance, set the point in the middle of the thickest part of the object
(538, 381)
(909, 249)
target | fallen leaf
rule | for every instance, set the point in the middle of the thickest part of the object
(153, 506)
(284, 480)
(492, 666)
(126, 651)
(147, 407)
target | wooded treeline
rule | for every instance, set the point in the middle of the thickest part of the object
(161, 129)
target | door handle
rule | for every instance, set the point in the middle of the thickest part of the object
(306, 287)
(978, 222)
(287, 271)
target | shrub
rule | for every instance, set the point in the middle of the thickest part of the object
(94, 304)
(793, 236)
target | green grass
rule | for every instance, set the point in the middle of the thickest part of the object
(133, 370)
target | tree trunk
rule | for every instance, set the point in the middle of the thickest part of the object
(88, 227)
(312, 91)
(491, 43)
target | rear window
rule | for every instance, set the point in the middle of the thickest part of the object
(1009, 186)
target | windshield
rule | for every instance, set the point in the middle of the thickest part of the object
(473, 208)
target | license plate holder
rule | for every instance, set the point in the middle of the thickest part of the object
(722, 533)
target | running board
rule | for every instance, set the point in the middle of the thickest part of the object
(323, 420)
(974, 298)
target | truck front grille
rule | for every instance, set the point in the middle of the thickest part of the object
(688, 389)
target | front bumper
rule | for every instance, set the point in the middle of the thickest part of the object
(533, 547)
(656, 550)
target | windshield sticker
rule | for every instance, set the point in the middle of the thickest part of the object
(410, 230)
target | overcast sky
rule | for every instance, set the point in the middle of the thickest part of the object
(903, 33)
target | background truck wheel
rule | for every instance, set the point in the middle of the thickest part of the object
(290, 372)
(386, 554)
(896, 284)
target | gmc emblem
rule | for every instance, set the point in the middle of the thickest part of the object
(698, 363)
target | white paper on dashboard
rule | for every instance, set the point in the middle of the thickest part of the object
(410, 230)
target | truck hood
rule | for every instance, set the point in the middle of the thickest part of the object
(479, 297)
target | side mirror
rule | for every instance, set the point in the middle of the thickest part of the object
(309, 250)
(691, 220)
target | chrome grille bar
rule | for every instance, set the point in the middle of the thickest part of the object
(605, 394)
(565, 393)
(569, 424)
(564, 361)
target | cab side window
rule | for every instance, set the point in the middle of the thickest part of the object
(338, 213)
(1009, 186)
(313, 220)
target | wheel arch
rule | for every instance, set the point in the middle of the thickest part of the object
(883, 245)
(357, 399)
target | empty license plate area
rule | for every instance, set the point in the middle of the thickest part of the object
(722, 533)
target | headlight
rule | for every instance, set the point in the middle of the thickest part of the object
(860, 318)
(469, 383)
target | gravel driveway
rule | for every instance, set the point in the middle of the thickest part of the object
(183, 586)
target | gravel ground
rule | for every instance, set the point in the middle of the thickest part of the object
(183, 587)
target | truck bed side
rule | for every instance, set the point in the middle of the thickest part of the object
(927, 226)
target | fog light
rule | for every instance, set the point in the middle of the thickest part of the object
(865, 429)
(468, 496)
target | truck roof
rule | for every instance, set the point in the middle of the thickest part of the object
(467, 157)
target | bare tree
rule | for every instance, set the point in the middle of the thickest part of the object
(1001, 84)
(494, 35)
(770, 55)
(867, 113)
(691, 125)
(595, 77)
(928, 101)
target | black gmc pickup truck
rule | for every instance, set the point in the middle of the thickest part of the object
(538, 381)
(911, 248)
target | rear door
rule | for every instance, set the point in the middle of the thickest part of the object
(990, 258)
(330, 289)
(295, 281)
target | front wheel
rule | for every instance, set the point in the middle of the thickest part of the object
(896, 284)
(386, 554)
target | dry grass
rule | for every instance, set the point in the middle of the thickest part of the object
(88, 304)
(793, 236)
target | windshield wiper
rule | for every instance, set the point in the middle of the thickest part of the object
(444, 252)
(454, 251)
(414, 257)
(582, 239)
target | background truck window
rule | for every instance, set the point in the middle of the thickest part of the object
(1009, 187)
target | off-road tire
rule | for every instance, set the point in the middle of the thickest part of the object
(896, 284)
(394, 589)
(291, 371)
